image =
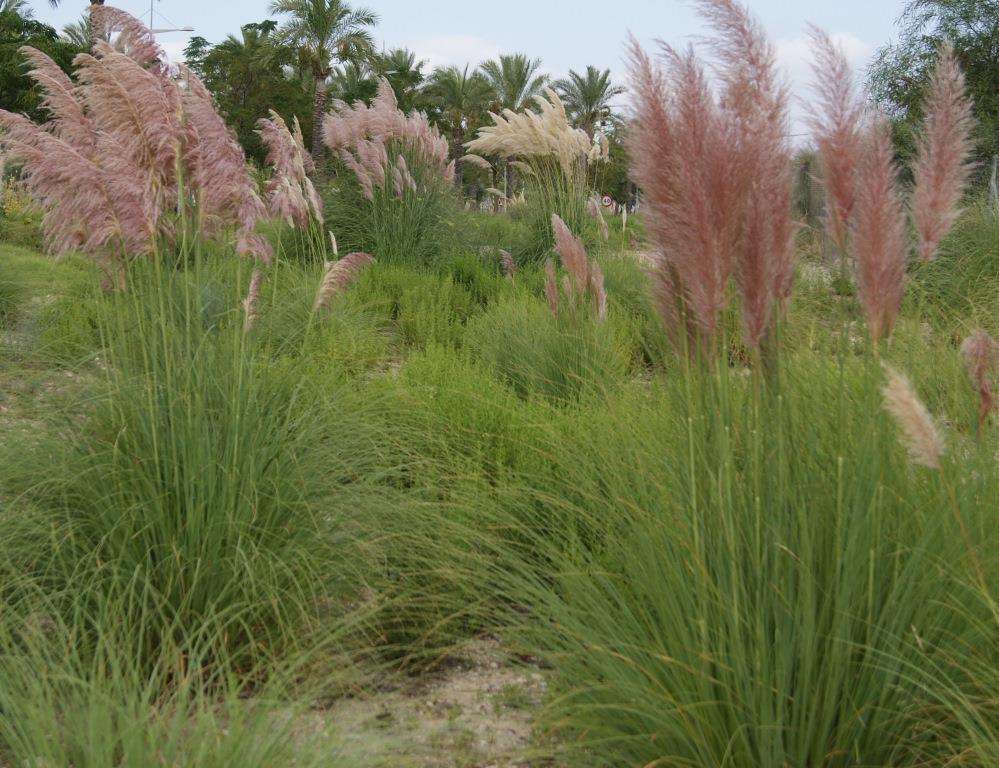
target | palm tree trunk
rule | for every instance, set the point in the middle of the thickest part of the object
(318, 115)
(458, 142)
(95, 33)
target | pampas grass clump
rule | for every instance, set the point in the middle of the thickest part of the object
(552, 157)
(395, 182)
(135, 160)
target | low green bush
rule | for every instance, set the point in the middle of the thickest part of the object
(538, 355)
(736, 577)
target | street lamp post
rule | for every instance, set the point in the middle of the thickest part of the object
(152, 20)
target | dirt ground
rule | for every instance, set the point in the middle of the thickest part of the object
(475, 712)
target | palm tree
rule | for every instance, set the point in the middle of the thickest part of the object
(20, 7)
(354, 82)
(514, 79)
(404, 73)
(515, 82)
(94, 36)
(325, 31)
(79, 33)
(587, 97)
(460, 98)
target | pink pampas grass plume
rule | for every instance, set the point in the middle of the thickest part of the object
(551, 288)
(923, 441)
(836, 122)
(981, 355)
(683, 148)
(943, 153)
(757, 97)
(878, 237)
(290, 192)
(572, 253)
(339, 275)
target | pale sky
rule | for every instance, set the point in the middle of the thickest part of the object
(566, 34)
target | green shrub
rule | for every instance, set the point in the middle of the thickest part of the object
(11, 297)
(205, 495)
(434, 310)
(539, 355)
(736, 578)
(412, 230)
(63, 709)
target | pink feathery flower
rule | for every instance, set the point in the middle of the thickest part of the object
(878, 238)
(358, 130)
(943, 155)
(339, 275)
(132, 146)
(757, 97)
(128, 36)
(291, 193)
(572, 253)
(981, 355)
(837, 124)
(683, 158)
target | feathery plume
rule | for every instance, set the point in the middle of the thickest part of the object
(135, 152)
(339, 275)
(291, 195)
(943, 154)
(878, 234)
(758, 98)
(923, 441)
(981, 356)
(252, 300)
(543, 133)
(572, 253)
(683, 151)
(478, 162)
(551, 289)
(364, 136)
(837, 126)
(336, 248)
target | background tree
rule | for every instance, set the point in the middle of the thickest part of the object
(79, 33)
(248, 75)
(459, 99)
(515, 80)
(353, 82)
(900, 71)
(18, 92)
(93, 30)
(588, 97)
(325, 32)
(404, 73)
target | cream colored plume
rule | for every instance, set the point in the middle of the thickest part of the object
(922, 439)
(545, 133)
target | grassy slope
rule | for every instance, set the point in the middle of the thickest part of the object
(485, 435)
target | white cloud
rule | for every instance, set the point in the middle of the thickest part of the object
(459, 50)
